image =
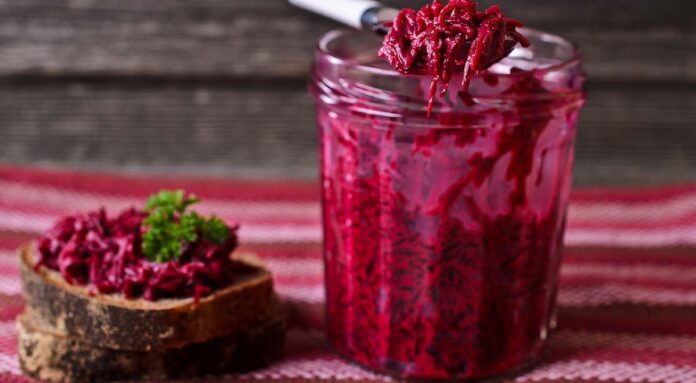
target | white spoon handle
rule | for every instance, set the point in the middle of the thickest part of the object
(348, 12)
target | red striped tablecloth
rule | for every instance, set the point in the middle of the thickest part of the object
(628, 295)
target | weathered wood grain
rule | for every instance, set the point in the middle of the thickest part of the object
(200, 127)
(637, 134)
(162, 38)
(218, 86)
(633, 134)
(621, 40)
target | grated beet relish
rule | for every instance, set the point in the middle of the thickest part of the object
(443, 236)
(105, 254)
(435, 41)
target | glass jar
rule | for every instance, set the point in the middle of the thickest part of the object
(443, 233)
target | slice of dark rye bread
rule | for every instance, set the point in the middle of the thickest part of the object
(113, 322)
(47, 354)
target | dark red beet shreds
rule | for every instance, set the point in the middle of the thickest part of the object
(105, 253)
(435, 41)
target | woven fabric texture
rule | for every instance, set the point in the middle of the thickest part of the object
(627, 300)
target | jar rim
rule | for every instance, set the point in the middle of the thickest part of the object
(348, 75)
(572, 61)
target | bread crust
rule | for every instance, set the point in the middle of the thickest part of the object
(113, 322)
(48, 354)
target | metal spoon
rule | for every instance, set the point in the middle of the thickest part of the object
(359, 14)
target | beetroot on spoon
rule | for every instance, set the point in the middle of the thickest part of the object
(436, 40)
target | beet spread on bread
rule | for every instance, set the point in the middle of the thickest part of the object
(156, 284)
(162, 251)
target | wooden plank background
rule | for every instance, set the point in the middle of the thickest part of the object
(219, 86)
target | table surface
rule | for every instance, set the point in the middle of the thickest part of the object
(219, 86)
(627, 299)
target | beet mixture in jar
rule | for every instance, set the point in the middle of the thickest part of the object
(443, 230)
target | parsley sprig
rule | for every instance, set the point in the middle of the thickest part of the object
(170, 227)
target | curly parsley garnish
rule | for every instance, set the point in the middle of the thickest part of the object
(170, 227)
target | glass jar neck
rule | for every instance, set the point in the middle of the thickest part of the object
(348, 74)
